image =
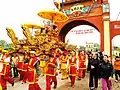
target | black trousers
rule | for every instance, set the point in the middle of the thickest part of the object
(15, 72)
(117, 73)
(93, 79)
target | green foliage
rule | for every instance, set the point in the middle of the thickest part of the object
(115, 48)
(81, 48)
(5, 45)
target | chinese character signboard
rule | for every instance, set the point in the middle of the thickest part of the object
(83, 9)
(78, 8)
(105, 8)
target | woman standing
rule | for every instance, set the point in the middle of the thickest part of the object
(106, 71)
(93, 67)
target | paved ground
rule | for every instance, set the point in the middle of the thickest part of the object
(63, 85)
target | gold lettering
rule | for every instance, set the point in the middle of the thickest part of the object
(76, 8)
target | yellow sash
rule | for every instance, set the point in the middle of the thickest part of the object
(0, 87)
(63, 65)
(42, 63)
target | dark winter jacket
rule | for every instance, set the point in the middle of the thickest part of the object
(95, 63)
(106, 70)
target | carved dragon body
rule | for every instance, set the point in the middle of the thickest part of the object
(12, 35)
(28, 35)
(42, 41)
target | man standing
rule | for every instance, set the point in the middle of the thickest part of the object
(43, 63)
(72, 68)
(5, 73)
(93, 67)
(117, 68)
(51, 72)
(33, 72)
(63, 67)
(14, 60)
(82, 65)
(20, 63)
(25, 68)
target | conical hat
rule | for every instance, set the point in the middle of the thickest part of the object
(32, 52)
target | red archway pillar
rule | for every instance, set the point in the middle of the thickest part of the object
(110, 45)
(102, 41)
(106, 28)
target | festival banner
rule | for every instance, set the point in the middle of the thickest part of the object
(87, 31)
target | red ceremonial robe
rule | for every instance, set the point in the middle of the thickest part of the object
(32, 77)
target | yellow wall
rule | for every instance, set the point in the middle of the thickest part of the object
(106, 38)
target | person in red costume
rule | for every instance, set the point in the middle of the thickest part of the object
(20, 63)
(51, 71)
(5, 72)
(82, 65)
(72, 64)
(0, 83)
(25, 68)
(33, 72)
(64, 72)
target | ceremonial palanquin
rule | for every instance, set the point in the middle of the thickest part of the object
(42, 41)
(42, 38)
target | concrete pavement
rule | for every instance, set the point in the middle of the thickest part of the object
(62, 85)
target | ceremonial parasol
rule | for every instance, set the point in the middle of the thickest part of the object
(33, 26)
(53, 15)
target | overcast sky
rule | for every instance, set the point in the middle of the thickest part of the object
(81, 39)
(13, 13)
